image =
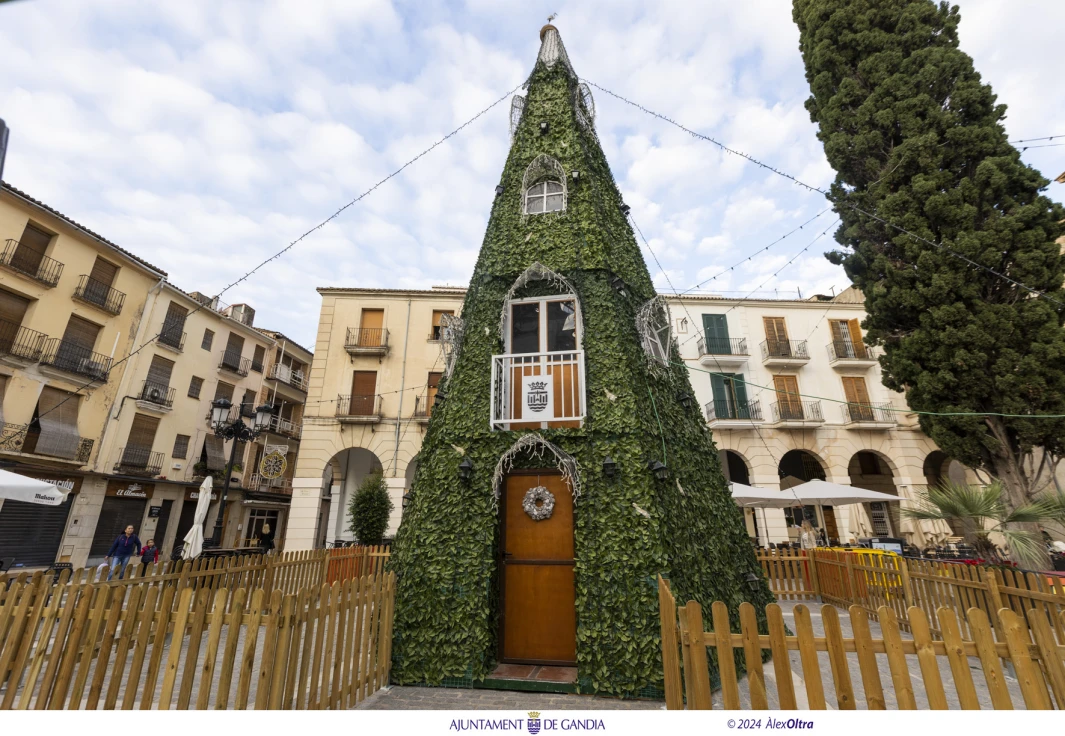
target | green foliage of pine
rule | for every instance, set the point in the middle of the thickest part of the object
(369, 510)
(446, 549)
(917, 138)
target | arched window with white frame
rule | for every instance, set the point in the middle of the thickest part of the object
(544, 186)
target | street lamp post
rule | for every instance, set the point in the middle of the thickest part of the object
(237, 431)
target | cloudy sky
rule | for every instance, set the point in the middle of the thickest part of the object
(205, 135)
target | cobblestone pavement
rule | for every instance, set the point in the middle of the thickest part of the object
(446, 698)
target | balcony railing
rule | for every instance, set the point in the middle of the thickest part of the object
(270, 485)
(797, 411)
(366, 340)
(538, 387)
(366, 407)
(74, 358)
(21, 342)
(99, 294)
(423, 407)
(24, 438)
(869, 413)
(286, 427)
(31, 263)
(138, 460)
(232, 362)
(172, 335)
(157, 393)
(285, 374)
(722, 345)
(784, 349)
(847, 350)
(750, 410)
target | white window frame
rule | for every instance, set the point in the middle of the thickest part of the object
(543, 302)
(543, 169)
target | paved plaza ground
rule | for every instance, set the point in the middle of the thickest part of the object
(438, 698)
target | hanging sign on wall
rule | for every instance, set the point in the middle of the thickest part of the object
(537, 398)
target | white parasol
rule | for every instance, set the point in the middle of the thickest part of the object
(194, 539)
(834, 494)
(15, 487)
(760, 498)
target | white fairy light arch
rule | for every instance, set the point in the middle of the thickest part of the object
(537, 446)
(652, 324)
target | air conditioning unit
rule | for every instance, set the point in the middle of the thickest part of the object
(155, 395)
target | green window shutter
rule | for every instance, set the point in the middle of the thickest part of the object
(715, 328)
(721, 403)
(740, 390)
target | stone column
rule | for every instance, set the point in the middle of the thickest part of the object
(303, 513)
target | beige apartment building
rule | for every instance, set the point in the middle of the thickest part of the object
(377, 363)
(790, 392)
(127, 430)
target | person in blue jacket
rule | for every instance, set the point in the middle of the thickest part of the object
(121, 550)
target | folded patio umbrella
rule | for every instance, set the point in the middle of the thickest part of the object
(17, 487)
(194, 539)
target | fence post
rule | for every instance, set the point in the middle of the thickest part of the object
(995, 598)
(323, 575)
(667, 612)
(904, 572)
(268, 574)
(852, 588)
(811, 561)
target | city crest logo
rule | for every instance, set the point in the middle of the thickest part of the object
(534, 722)
(537, 396)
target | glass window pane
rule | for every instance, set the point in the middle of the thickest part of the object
(525, 328)
(535, 205)
(554, 202)
(561, 326)
(537, 188)
(553, 187)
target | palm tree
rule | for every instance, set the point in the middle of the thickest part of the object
(980, 511)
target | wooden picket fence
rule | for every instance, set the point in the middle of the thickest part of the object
(289, 572)
(875, 581)
(1039, 662)
(161, 644)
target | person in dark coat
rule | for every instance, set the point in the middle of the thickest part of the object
(266, 539)
(127, 545)
(149, 554)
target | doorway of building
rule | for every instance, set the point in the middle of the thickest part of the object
(538, 623)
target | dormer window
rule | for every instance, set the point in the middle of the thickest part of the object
(545, 186)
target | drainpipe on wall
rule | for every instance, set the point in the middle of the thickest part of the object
(402, 388)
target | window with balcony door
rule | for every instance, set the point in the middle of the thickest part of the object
(858, 407)
(543, 340)
(847, 339)
(363, 393)
(730, 397)
(371, 328)
(432, 385)
(789, 403)
(31, 250)
(776, 335)
(173, 325)
(75, 351)
(12, 311)
(98, 285)
(137, 454)
(54, 428)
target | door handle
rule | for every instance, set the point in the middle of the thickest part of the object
(508, 554)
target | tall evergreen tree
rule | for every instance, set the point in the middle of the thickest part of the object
(917, 139)
(629, 526)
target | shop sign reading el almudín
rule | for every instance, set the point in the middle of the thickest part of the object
(124, 489)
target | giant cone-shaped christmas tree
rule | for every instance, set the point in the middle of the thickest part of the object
(620, 396)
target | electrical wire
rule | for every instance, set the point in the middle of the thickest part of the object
(291, 245)
(1044, 138)
(848, 205)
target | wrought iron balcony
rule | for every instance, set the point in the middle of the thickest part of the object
(270, 485)
(157, 393)
(285, 427)
(559, 397)
(172, 335)
(722, 345)
(797, 411)
(846, 353)
(870, 413)
(74, 358)
(366, 340)
(784, 352)
(285, 374)
(21, 342)
(99, 295)
(749, 411)
(23, 438)
(32, 263)
(232, 362)
(138, 460)
(423, 407)
(358, 409)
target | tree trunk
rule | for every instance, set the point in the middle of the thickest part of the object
(1007, 470)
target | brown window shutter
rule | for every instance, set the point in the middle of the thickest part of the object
(224, 390)
(434, 380)
(854, 329)
(258, 357)
(249, 400)
(363, 383)
(160, 370)
(31, 248)
(235, 344)
(142, 431)
(839, 330)
(849, 391)
(3, 393)
(58, 418)
(103, 272)
(81, 332)
(216, 452)
(13, 307)
(788, 394)
(775, 330)
(176, 314)
(208, 339)
(195, 385)
(181, 446)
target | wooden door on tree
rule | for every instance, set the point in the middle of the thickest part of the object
(539, 616)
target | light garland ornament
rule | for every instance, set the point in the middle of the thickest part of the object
(539, 503)
(272, 465)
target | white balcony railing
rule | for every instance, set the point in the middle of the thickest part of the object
(538, 389)
(285, 374)
(284, 426)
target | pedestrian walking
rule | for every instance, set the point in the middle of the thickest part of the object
(149, 554)
(121, 550)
